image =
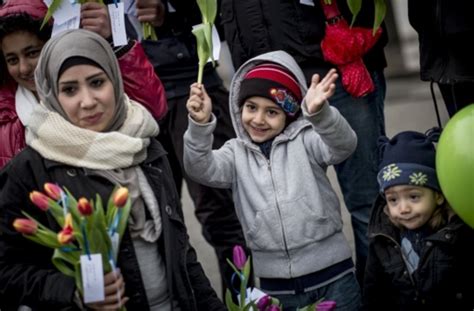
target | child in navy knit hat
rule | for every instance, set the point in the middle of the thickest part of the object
(287, 136)
(418, 250)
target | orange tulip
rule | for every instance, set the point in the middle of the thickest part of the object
(25, 226)
(84, 207)
(121, 197)
(53, 191)
(40, 200)
(66, 235)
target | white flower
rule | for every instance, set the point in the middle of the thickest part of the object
(391, 172)
(418, 179)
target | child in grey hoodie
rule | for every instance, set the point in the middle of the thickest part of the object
(287, 136)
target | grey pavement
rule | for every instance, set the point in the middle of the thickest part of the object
(408, 106)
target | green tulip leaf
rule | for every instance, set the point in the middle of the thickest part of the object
(229, 302)
(52, 8)
(65, 261)
(203, 49)
(380, 11)
(123, 221)
(354, 7)
(57, 211)
(208, 10)
(149, 32)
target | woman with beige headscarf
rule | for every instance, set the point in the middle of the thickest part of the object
(88, 136)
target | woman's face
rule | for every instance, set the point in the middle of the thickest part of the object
(87, 96)
(21, 50)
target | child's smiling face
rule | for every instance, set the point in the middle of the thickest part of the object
(412, 206)
(262, 119)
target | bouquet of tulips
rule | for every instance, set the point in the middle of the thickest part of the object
(241, 266)
(86, 229)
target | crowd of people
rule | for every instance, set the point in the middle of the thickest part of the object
(254, 158)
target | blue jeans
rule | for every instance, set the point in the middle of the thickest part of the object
(344, 291)
(357, 175)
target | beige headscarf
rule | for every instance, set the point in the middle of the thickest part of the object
(50, 132)
(74, 43)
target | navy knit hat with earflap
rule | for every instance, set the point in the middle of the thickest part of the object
(408, 159)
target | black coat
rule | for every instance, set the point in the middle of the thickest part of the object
(27, 275)
(444, 279)
(444, 28)
(254, 27)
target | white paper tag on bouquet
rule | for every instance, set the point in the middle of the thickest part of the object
(253, 294)
(92, 278)
(117, 22)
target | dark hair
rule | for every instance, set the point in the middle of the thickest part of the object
(20, 22)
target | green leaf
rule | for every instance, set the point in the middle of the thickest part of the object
(65, 261)
(78, 277)
(208, 10)
(229, 302)
(203, 50)
(149, 32)
(124, 213)
(380, 11)
(72, 207)
(52, 8)
(250, 306)
(233, 266)
(57, 211)
(111, 209)
(354, 7)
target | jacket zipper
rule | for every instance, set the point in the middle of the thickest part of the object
(279, 214)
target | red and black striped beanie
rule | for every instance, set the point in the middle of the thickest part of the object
(274, 82)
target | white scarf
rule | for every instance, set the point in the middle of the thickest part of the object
(59, 140)
(25, 103)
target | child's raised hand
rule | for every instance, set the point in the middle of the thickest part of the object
(320, 91)
(199, 104)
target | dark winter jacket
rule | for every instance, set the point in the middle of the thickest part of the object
(444, 28)
(255, 27)
(442, 281)
(174, 55)
(27, 275)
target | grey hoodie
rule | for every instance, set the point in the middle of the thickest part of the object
(289, 212)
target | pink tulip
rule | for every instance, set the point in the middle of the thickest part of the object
(239, 258)
(264, 302)
(327, 305)
(120, 197)
(25, 226)
(53, 191)
(40, 200)
(274, 308)
(84, 207)
(66, 235)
